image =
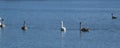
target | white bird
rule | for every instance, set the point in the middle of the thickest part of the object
(24, 27)
(2, 25)
(63, 29)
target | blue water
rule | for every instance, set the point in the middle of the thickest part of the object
(44, 21)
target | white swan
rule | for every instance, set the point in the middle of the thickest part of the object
(63, 29)
(2, 25)
(24, 27)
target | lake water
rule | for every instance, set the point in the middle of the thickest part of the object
(44, 21)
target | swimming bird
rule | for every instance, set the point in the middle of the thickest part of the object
(24, 27)
(83, 29)
(63, 29)
(113, 17)
(2, 25)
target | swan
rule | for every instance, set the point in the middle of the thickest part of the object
(2, 25)
(83, 29)
(24, 27)
(113, 17)
(63, 29)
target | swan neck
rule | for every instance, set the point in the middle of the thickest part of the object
(112, 14)
(2, 21)
(62, 23)
(24, 23)
(80, 25)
